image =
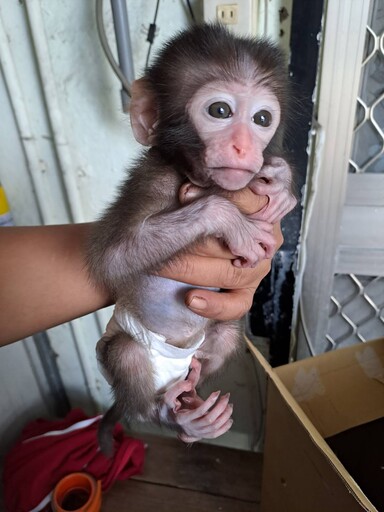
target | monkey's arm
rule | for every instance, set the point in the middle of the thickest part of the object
(126, 245)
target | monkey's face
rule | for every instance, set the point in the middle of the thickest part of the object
(236, 122)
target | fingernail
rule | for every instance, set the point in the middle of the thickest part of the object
(197, 303)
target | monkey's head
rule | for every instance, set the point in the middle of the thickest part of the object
(216, 103)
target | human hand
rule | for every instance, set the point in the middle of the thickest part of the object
(210, 264)
(197, 418)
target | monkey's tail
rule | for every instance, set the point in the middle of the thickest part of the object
(106, 428)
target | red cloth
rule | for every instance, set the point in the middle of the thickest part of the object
(32, 468)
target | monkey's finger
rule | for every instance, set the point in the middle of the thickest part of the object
(258, 253)
(186, 416)
(210, 430)
(209, 423)
(213, 434)
(188, 439)
(219, 414)
(172, 394)
(189, 192)
(277, 207)
(194, 373)
(219, 432)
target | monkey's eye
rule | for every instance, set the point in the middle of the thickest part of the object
(220, 110)
(263, 118)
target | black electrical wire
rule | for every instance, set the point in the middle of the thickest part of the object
(151, 33)
(191, 11)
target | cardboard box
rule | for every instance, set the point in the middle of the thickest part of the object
(311, 405)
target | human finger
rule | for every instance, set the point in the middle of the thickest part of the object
(247, 201)
(212, 247)
(214, 272)
(231, 304)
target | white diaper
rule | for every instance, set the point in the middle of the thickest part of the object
(171, 364)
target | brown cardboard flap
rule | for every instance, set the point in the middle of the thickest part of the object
(301, 473)
(341, 389)
(296, 454)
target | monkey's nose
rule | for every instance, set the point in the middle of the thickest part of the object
(240, 150)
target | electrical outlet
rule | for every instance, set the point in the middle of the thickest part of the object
(227, 14)
(240, 16)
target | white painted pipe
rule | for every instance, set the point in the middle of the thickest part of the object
(59, 129)
(21, 115)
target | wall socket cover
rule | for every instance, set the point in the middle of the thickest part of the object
(239, 16)
(227, 13)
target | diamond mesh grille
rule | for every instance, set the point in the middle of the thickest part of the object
(368, 146)
(357, 310)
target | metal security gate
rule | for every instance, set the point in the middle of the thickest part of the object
(340, 297)
(357, 310)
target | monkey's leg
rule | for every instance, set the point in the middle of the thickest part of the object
(222, 340)
(196, 417)
(131, 374)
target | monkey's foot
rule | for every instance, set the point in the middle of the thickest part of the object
(197, 418)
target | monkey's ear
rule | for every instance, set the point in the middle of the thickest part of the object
(143, 112)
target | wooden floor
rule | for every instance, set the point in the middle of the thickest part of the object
(197, 478)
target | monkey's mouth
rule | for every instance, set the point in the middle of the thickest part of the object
(231, 178)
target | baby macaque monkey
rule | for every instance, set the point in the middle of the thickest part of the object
(213, 108)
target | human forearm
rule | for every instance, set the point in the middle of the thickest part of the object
(43, 279)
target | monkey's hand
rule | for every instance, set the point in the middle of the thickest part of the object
(197, 418)
(251, 242)
(274, 181)
(248, 238)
